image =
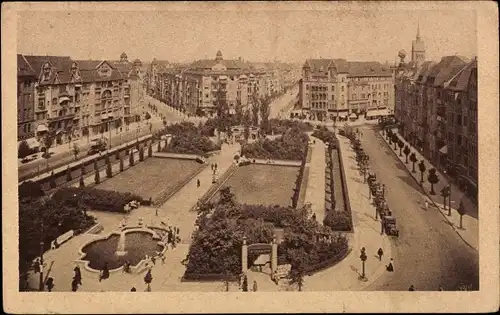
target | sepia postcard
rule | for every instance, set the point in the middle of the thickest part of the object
(217, 157)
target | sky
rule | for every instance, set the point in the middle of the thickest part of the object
(284, 32)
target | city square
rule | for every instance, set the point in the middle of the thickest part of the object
(226, 169)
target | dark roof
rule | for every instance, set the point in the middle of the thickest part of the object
(461, 80)
(87, 64)
(23, 67)
(424, 71)
(58, 62)
(445, 70)
(229, 64)
(371, 68)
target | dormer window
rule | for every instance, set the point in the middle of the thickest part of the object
(46, 72)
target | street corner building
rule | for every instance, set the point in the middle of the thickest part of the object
(198, 87)
(70, 99)
(335, 88)
(436, 111)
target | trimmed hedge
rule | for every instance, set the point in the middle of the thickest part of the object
(97, 199)
(313, 268)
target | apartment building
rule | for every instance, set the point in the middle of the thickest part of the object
(198, 87)
(436, 108)
(81, 98)
(334, 88)
(26, 78)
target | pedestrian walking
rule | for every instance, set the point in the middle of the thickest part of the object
(440, 288)
(412, 288)
(78, 275)
(104, 272)
(153, 260)
(390, 266)
(156, 211)
(50, 284)
(254, 286)
(162, 259)
(74, 285)
(380, 253)
(426, 204)
(198, 182)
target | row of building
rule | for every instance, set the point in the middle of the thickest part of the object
(436, 108)
(199, 87)
(70, 99)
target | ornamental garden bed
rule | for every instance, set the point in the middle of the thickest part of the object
(263, 184)
(152, 177)
(216, 245)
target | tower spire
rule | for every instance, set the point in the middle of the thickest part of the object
(418, 30)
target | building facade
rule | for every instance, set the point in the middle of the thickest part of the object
(198, 87)
(26, 78)
(83, 98)
(436, 108)
(335, 88)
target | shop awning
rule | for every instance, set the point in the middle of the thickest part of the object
(42, 128)
(378, 112)
(63, 99)
(444, 150)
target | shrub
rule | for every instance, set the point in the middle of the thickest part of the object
(68, 175)
(141, 154)
(325, 135)
(109, 171)
(121, 164)
(97, 199)
(338, 221)
(97, 177)
(131, 159)
(244, 163)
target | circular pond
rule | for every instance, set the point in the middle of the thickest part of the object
(137, 245)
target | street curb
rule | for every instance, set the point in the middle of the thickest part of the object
(425, 192)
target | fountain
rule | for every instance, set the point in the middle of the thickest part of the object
(120, 249)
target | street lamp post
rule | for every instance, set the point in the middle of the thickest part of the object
(363, 258)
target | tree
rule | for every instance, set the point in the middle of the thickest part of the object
(48, 140)
(24, 150)
(76, 150)
(131, 159)
(413, 160)
(255, 110)
(82, 182)
(121, 164)
(30, 190)
(461, 211)
(433, 179)
(395, 140)
(150, 150)
(244, 286)
(97, 178)
(297, 273)
(401, 144)
(141, 154)
(109, 171)
(265, 110)
(406, 151)
(422, 168)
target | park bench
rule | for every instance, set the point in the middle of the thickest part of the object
(61, 239)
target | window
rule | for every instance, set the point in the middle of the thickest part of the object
(54, 101)
(362, 95)
(62, 88)
(342, 88)
(41, 104)
(333, 88)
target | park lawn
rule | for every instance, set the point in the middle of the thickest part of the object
(263, 184)
(152, 177)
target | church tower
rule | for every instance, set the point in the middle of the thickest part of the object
(418, 48)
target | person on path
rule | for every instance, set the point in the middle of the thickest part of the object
(198, 182)
(254, 286)
(412, 288)
(380, 253)
(50, 284)
(426, 204)
(36, 266)
(156, 211)
(133, 289)
(153, 260)
(74, 285)
(78, 275)
(162, 259)
(440, 288)
(104, 273)
(390, 266)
